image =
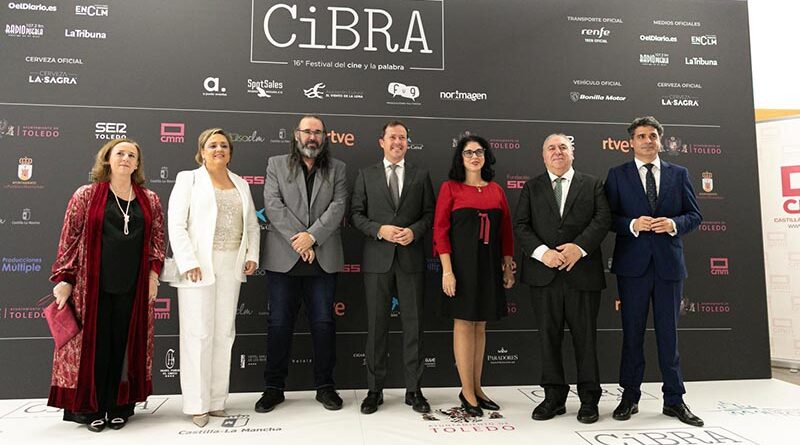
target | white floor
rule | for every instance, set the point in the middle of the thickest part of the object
(763, 412)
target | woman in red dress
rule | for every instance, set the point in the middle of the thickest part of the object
(109, 256)
(472, 235)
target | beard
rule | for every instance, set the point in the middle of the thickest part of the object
(310, 151)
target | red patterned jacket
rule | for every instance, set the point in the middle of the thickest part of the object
(78, 263)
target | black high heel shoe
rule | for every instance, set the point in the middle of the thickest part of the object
(487, 404)
(472, 410)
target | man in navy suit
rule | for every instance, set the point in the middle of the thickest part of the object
(652, 206)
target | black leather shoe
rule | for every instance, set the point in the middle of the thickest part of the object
(269, 400)
(371, 402)
(681, 411)
(472, 410)
(96, 426)
(417, 402)
(117, 423)
(487, 404)
(329, 399)
(548, 409)
(588, 413)
(625, 410)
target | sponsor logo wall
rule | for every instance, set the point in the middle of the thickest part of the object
(72, 84)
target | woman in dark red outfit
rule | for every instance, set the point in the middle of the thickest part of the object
(473, 237)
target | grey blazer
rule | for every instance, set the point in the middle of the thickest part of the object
(287, 211)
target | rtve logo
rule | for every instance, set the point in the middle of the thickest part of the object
(790, 183)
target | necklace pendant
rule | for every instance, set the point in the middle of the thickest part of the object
(125, 228)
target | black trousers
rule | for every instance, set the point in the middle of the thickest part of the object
(408, 287)
(110, 357)
(556, 305)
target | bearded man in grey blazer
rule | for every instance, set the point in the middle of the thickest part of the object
(393, 206)
(305, 196)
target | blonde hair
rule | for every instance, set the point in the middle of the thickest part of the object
(204, 137)
(101, 171)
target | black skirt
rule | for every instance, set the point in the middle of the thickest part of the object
(477, 265)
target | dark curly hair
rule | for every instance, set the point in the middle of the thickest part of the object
(457, 170)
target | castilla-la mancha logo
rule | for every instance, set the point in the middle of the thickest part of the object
(790, 185)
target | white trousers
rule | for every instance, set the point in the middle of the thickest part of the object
(207, 330)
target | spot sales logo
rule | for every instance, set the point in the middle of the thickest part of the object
(264, 88)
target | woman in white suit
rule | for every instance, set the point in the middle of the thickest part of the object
(214, 236)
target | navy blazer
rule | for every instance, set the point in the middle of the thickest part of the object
(628, 201)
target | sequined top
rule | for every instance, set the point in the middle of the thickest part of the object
(228, 232)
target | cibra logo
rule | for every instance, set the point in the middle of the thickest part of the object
(403, 31)
(213, 87)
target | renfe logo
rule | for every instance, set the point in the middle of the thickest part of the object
(790, 183)
(413, 29)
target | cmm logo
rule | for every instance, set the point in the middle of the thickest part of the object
(790, 184)
(406, 32)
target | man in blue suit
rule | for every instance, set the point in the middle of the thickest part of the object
(652, 206)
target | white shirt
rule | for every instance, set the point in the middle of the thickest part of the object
(640, 167)
(567, 180)
(401, 173)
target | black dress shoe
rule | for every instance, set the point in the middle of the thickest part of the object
(269, 400)
(97, 425)
(329, 398)
(548, 409)
(681, 411)
(472, 410)
(117, 423)
(625, 410)
(371, 402)
(588, 413)
(417, 402)
(487, 404)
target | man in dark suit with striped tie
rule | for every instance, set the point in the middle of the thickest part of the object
(392, 205)
(652, 206)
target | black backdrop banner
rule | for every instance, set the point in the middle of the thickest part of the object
(76, 74)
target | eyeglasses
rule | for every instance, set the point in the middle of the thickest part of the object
(470, 153)
(315, 133)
